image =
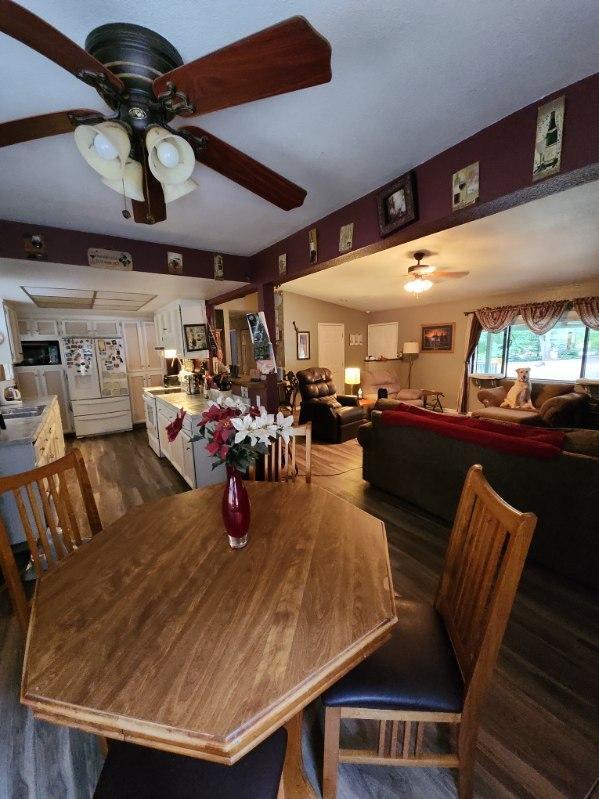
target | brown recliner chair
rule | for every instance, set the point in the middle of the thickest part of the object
(335, 417)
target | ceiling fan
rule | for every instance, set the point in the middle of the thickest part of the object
(423, 277)
(143, 79)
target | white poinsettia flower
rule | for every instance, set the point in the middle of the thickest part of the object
(243, 426)
(285, 425)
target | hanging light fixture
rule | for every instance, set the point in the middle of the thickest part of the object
(417, 285)
(106, 148)
(171, 160)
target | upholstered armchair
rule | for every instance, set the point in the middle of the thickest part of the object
(556, 405)
(335, 417)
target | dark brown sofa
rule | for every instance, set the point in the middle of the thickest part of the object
(556, 404)
(335, 417)
(428, 470)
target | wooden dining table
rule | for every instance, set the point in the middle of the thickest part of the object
(158, 633)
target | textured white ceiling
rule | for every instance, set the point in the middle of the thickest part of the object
(545, 243)
(409, 80)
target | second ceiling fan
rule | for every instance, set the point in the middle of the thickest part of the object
(143, 79)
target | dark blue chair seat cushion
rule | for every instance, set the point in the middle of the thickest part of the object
(137, 772)
(415, 670)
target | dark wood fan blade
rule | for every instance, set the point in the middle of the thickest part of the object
(153, 208)
(443, 273)
(19, 130)
(242, 169)
(33, 31)
(283, 58)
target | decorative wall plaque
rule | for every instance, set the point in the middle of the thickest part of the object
(110, 259)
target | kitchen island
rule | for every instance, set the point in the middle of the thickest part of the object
(33, 437)
(189, 458)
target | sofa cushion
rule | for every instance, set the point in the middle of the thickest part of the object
(415, 670)
(409, 394)
(541, 392)
(513, 415)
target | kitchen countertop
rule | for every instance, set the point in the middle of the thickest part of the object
(193, 404)
(25, 431)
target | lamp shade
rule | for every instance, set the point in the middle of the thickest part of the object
(352, 376)
(105, 147)
(171, 159)
(130, 183)
(411, 348)
(172, 192)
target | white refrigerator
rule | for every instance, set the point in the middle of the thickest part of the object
(98, 387)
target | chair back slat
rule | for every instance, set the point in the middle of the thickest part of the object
(483, 565)
(51, 513)
(280, 462)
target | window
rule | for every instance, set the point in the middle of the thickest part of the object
(568, 351)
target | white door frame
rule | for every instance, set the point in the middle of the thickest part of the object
(341, 381)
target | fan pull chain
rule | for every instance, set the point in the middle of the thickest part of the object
(126, 212)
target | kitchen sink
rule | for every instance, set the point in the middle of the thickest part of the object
(21, 413)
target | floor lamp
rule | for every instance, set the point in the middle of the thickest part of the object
(409, 354)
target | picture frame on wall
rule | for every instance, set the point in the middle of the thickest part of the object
(397, 206)
(437, 338)
(283, 264)
(313, 245)
(548, 139)
(465, 186)
(196, 337)
(303, 345)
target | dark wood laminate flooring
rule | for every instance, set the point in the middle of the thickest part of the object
(539, 737)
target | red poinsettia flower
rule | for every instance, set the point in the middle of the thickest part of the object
(174, 428)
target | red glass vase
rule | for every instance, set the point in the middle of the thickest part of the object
(236, 509)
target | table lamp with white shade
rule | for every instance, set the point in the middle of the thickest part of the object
(409, 354)
(352, 377)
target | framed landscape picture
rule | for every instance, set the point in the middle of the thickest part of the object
(397, 204)
(437, 338)
(303, 345)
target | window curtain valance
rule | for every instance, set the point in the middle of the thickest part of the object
(539, 317)
(588, 310)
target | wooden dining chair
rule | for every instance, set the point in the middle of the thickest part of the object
(52, 502)
(439, 661)
(280, 463)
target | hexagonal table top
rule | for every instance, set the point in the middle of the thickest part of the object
(158, 633)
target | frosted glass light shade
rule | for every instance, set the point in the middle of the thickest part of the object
(131, 182)
(411, 348)
(418, 285)
(180, 190)
(160, 144)
(352, 376)
(113, 135)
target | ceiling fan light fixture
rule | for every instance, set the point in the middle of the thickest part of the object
(130, 183)
(418, 285)
(171, 158)
(105, 147)
(172, 193)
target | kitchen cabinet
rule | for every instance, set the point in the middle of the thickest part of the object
(187, 461)
(12, 333)
(170, 320)
(144, 363)
(38, 328)
(42, 381)
(91, 327)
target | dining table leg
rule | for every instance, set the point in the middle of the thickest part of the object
(297, 785)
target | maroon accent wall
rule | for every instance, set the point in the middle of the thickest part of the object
(505, 152)
(70, 247)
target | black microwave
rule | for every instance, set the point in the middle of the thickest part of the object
(40, 353)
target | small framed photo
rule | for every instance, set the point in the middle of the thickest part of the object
(313, 245)
(465, 187)
(219, 267)
(346, 237)
(303, 345)
(397, 204)
(196, 337)
(548, 139)
(283, 264)
(174, 262)
(437, 338)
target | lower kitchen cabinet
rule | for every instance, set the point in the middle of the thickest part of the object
(44, 381)
(137, 383)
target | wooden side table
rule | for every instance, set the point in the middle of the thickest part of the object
(436, 406)
(368, 404)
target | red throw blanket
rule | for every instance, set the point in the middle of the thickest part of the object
(514, 439)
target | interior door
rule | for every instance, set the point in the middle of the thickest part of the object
(331, 351)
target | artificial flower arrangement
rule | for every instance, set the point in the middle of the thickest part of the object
(236, 436)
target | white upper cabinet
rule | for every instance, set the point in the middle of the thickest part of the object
(170, 321)
(11, 336)
(38, 328)
(91, 327)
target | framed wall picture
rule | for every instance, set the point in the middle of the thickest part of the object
(397, 204)
(346, 237)
(548, 139)
(465, 187)
(283, 264)
(196, 337)
(437, 338)
(303, 345)
(219, 267)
